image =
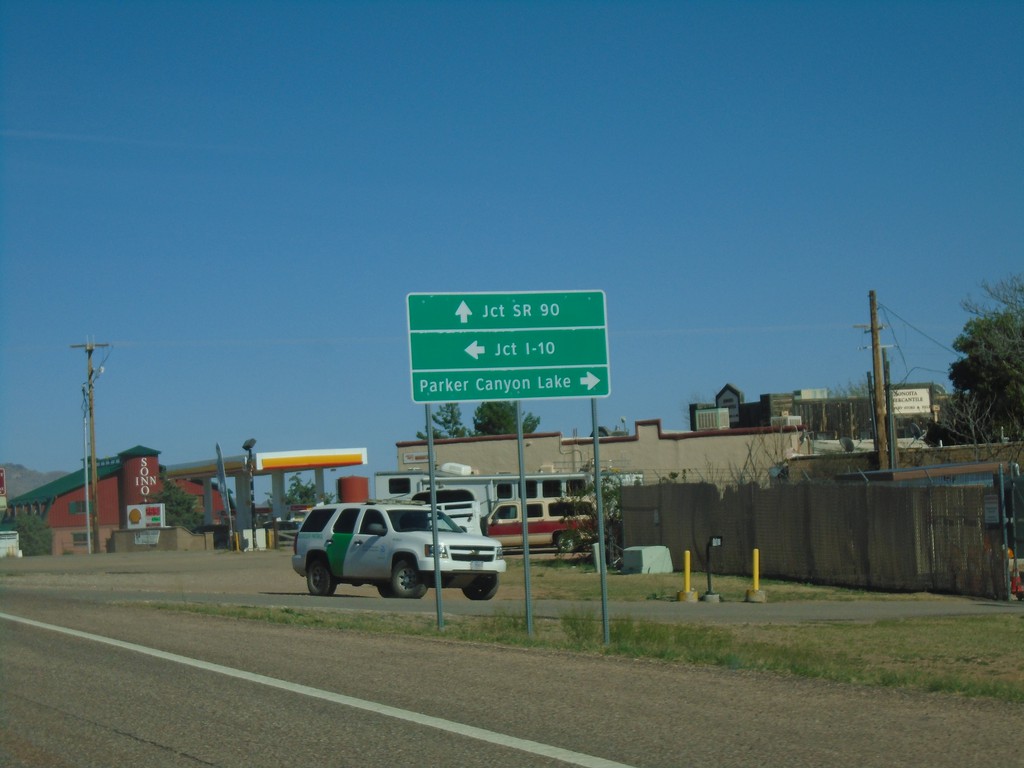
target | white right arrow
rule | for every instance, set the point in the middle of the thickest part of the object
(474, 350)
(590, 380)
(464, 312)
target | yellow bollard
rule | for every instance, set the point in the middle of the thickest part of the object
(688, 595)
(755, 595)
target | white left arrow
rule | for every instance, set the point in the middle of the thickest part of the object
(474, 350)
(463, 312)
(590, 380)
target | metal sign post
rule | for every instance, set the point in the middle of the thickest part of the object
(523, 519)
(602, 567)
(433, 518)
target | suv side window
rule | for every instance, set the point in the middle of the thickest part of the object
(371, 516)
(346, 522)
(317, 519)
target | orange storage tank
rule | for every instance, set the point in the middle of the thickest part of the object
(353, 489)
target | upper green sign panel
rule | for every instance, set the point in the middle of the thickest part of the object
(508, 346)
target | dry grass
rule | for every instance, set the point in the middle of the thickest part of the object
(553, 579)
(972, 656)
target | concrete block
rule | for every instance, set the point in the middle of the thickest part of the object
(646, 560)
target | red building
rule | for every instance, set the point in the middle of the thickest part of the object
(131, 477)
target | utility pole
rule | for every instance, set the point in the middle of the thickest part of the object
(879, 379)
(890, 420)
(90, 378)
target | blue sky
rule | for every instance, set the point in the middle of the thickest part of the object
(238, 196)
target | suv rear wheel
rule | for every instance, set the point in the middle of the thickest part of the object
(406, 581)
(319, 579)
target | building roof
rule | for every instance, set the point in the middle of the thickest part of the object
(74, 480)
(62, 485)
(139, 450)
(971, 473)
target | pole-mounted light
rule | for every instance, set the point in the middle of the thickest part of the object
(247, 446)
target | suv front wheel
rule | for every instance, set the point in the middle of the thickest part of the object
(406, 581)
(483, 588)
(319, 579)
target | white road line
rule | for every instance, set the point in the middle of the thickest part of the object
(460, 729)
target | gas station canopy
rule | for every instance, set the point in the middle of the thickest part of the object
(268, 463)
(275, 464)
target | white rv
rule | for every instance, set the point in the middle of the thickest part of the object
(483, 503)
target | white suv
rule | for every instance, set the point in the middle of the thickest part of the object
(391, 546)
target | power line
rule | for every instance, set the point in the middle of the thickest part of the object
(889, 310)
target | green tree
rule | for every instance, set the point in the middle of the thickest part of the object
(34, 535)
(988, 379)
(303, 493)
(300, 492)
(499, 418)
(447, 423)
(582, 534)
(181, 508)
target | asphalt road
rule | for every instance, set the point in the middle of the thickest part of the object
(133, 685)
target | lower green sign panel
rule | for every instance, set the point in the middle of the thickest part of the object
(510, 384)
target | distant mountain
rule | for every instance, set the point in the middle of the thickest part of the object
(22, 479)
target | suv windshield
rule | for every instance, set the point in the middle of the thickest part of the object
(419, 520)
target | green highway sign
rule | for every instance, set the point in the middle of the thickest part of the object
(509, 311)
(513, 349)
(508, 346)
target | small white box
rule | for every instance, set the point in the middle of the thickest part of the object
(646, 560)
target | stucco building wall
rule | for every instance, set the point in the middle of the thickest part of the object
(718, 456)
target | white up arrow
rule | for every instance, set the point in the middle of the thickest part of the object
(463, 312)
(590, 380)
(474, 350)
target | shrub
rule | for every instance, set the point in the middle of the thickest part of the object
(34, 535)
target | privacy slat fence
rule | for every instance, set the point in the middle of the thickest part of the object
(862, 536)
